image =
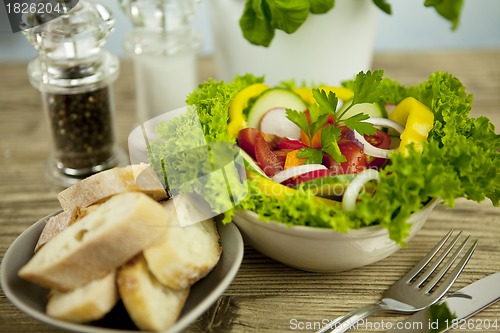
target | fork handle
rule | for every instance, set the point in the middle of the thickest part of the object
(343, 323)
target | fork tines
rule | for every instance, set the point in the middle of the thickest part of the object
(431, 266)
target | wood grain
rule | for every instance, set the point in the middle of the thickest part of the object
(265, 296)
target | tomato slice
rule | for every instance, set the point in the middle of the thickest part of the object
(281, 155)
(267, 160)
(381, 140)
(344, 133)
(291, 144)
(246, 140)
(273, 140)
(355, 159)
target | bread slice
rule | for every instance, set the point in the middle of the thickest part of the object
(61, 221)
(99, 243)
(185, 254)
(103, 185)
(55, 225)
(90, 302)
(151, 305)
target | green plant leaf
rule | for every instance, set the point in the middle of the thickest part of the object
(321, 6)
(357, 124)
(328, 103)
(258, 9)
(298, 118)
(315, 126)
(365, 87)
(384, 6)
(255, 25)
(329, 137)
(288, 15)
(449, 9)
(261, 17)
(312, 156)
(314, 111)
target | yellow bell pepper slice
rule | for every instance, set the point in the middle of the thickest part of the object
(418, 120)
(279, 191)
(342, 93)
(238, 104)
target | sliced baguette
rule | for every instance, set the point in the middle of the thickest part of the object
(99, 243)
(151, 305)
(185, 254)
(55, 225)
(103, 185)
(90, 302)
(61, 221)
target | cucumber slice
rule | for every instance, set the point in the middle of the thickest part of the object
(271, 99)
(373, 110)
(334, 186)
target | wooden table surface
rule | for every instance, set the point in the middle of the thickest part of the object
(265, 295)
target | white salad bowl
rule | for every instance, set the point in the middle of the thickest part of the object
(319, 249)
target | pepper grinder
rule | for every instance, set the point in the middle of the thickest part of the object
(74, 75)
(164, 49)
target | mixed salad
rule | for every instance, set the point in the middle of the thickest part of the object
(370, 152)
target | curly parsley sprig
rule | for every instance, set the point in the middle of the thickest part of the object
(366, 90)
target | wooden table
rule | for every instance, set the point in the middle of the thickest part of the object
(265, 295)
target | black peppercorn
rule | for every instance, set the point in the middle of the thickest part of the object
(81, 127)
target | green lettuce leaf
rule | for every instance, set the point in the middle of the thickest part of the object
(459, 159)
(212, 100)
(297, 209)
(185, 152)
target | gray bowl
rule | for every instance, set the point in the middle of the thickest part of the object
(32, 299)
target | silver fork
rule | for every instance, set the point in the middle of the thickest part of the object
(409, 294)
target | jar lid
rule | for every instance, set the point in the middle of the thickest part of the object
(160, 15)
(78, 34)
(71, 58)
(161, 27)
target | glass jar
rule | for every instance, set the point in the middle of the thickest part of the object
(75, 75)
(164, 48)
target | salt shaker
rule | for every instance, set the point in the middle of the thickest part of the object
(164, 48)
(75, 75)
